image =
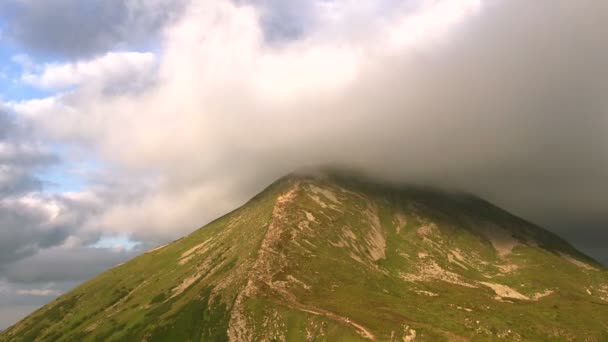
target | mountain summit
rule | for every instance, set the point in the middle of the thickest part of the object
(336, 258)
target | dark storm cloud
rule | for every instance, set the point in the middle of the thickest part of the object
(76, 28)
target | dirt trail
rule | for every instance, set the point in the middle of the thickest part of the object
(156, 248)
(270, 261)
(361, 330)
(264, 267)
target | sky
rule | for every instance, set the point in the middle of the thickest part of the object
(125, 124)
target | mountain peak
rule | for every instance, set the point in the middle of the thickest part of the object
(337, 256)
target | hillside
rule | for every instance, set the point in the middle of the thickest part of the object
(342, 259)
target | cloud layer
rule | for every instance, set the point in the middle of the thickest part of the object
(455, 92)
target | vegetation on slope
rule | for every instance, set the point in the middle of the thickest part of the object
(338, 258)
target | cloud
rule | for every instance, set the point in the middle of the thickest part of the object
(21, 214)
(285, 20)
(34, 222)
(455, 93)
(73, 28)
(63, 264)
(30, 218)
(34, 280)
(38, 292)
(8, 314)
(117, 68)
(18, 300)
(16, 149)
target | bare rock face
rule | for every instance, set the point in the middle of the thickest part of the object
(338, 258)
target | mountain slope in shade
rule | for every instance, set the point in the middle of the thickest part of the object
(334, 258)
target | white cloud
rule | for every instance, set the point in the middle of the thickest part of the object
(431, 22)
(38, 292)
(38, 106)
(112, 67)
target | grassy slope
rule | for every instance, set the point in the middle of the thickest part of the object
(136, 299)
(327, 276)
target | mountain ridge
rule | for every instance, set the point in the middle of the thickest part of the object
(338, 257)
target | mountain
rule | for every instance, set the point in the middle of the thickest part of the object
(339, 258)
